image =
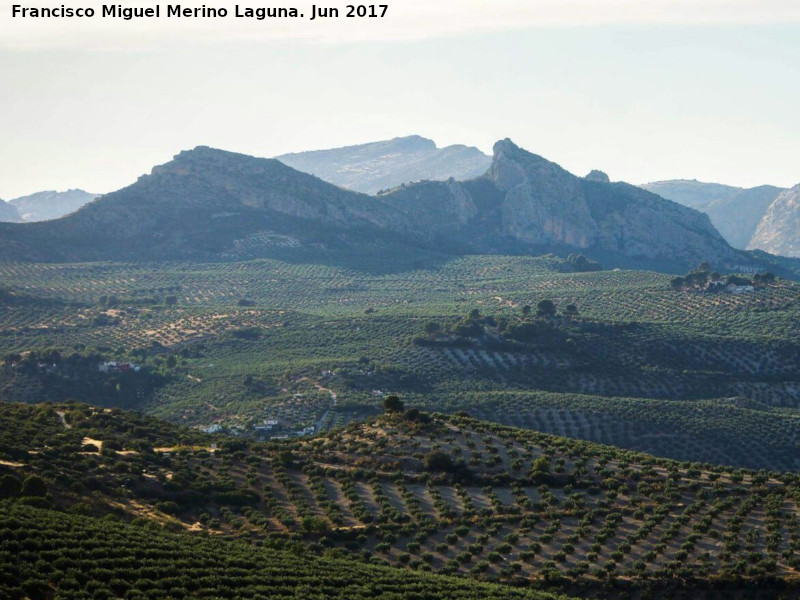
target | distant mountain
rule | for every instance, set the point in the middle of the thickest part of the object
(377, 166)
(44, 206)
(779, 229)
(209, 203)
(8, 213)
(735, 212)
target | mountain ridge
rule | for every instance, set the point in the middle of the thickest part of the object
(205, 201)
(736, 212)
(48, 205)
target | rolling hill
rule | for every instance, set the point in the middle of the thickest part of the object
(637, 363)
(391, 499)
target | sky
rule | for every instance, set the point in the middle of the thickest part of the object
(646, 90)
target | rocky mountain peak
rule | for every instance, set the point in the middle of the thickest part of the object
(544, 204)
(413, 143)
(598, 176)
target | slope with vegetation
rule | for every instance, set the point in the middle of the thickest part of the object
(420, 493)
(626, 359)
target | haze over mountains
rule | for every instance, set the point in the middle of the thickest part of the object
(377, 166)
(9, 213)
(735, 212)
(206, 202)
(44, 206)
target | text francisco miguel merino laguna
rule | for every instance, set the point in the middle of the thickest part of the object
(118, 11)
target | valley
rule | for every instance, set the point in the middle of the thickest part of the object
(231, 345)
(372, 302)
(233, 379)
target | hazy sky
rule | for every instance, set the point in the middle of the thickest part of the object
(644, 90)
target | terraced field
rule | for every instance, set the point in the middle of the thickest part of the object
(451, 495)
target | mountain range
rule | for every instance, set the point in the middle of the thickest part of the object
(206, 202)
(746, 218)
(43, 206)
(370, 168)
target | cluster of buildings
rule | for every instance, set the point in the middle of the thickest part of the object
(730, 288)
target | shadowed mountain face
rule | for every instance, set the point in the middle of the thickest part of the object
(779, 229)
(377, 166)
(44, 206)
(545, 202)
(735, 212)
(8, 213)
(207, 203)
(195, 206)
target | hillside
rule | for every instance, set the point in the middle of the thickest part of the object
(186, 566)
(779, 230)
(735, 212)
(451, 495)
(376, 166)
(208, 204)
(44, 206)
(638, 364)
(8, 213)
(199, 204)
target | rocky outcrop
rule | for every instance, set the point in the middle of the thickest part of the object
(779, 229)
(544, 204)
(640, 224)
(598, 176)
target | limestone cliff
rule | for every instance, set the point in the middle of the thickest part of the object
(779, 229)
